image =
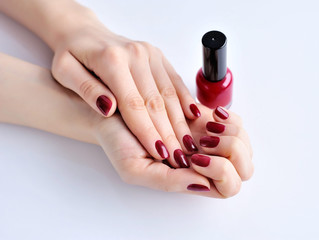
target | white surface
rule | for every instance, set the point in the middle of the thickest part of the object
(55, 188)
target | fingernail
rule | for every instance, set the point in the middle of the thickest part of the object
(161, 149)
(189, 143)
(181, 158)
(209, 141)
(104, 104)
(198, 188)
(221, 113)
(195, 110)
(200, 160)
(215, 127)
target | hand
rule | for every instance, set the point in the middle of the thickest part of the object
(67, 115)
(219, 176)
(151, 96)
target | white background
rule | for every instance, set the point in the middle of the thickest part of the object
(56, 188)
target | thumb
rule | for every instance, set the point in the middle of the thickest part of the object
(70, 73)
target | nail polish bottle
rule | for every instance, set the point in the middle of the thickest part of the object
(214, 81)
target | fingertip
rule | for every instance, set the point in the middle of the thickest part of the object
(221, 113)
(191, 111)
(104, 104)
(195, 111)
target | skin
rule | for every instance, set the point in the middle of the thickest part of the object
(60, 111)
(92, 61)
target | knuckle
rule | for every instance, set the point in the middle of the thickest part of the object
(134, 102)
(248, 174)
(235, 144)
(60, 66)
(87, 88)
(181, 124)
(178, 78)
(171, 138)
(136, 48)
(155, 103)
(238, 131)
(235, 189)
(223, 171)
(169, 92)
(150, 48)
(113, 55)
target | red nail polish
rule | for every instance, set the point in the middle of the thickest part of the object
(104, 104)
(161, 149)
(214, 81)
(209, 141)
(221, 113)
(198, 188)
(195, 110)
(189, 143)
(181, 158)
(215, 127)
(200, 160)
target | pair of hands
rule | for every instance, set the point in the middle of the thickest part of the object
(110, 71)
(217, 170)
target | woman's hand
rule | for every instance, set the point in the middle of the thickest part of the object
(151, 96)
(218, 175)
(108, 70)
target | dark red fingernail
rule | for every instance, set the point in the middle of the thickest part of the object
(209, 141)
(189, 143)
(198, 188)
(104, 104)
(200, 160)
(221, 113)
(161, 149)
(181, 158)
(215, 127)
(195, 110)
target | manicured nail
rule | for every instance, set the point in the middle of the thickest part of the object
(221, 113)
(189, 143)
(215, 127)
(104, 104)
(181, 158)
(161, 149)
(195, 110)
(209, 141)
(198, 188)
(200, 160)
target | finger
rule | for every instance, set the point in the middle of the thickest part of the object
(131, 105)
(71, 74)
(220, 114)
(173, 106)
(220, 170)
(135, 166)
(155, 106)
(231, 148)
(224, 129)
(189, 106)
(157, 175)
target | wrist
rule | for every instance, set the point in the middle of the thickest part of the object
(66, 23)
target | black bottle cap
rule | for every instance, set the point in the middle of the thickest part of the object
(214, 55)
